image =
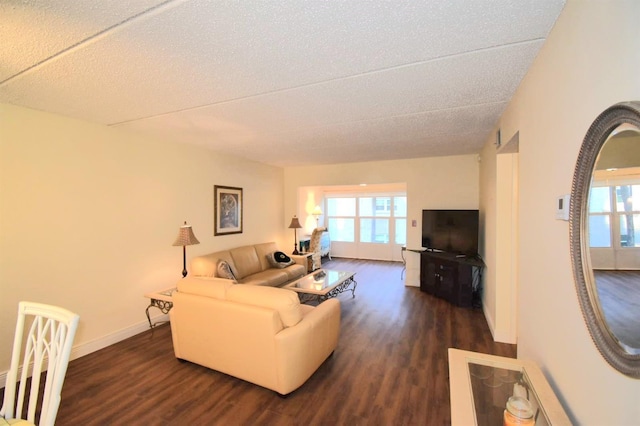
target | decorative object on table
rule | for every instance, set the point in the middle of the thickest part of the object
(317, 213)
(42, 346)
(185, 238)
(295, 224)
(227, 210)
(518, 412)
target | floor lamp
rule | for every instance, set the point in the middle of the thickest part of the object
(185, 238)
(295, 224)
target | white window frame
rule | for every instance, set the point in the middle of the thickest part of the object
(367, 250)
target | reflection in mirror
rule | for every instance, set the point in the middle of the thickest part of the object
(614, 234)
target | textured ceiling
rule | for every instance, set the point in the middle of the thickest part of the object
(280, 82)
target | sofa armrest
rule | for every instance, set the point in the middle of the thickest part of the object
(300, 260)
(302, 348)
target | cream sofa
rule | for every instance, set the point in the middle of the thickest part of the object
(259, 334)
(250, 265)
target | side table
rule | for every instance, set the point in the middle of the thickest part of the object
(305, 240)
(161, 300)
(309, 260)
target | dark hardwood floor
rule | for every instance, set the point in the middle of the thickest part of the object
(390, 368)
(619, 293)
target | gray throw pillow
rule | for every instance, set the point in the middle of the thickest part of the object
(224, 270)
(278, 259)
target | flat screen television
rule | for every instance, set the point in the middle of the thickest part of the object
(451, 231)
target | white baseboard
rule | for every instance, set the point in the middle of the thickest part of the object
(498, 336)
(490, 322)
(95, 345)
(412, 283)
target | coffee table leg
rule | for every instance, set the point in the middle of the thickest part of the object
(353, 290)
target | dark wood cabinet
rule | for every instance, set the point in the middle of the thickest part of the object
(450, 277)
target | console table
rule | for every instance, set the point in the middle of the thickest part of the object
(404, 261)
(481, 384)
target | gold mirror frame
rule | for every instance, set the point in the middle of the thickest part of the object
(624, 359)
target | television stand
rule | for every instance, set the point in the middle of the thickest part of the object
(452, 277)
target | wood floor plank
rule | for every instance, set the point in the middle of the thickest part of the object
(390, 368)
(619, 294)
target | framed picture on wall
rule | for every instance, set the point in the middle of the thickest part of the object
(227, 210)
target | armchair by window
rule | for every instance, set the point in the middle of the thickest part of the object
(319, 246)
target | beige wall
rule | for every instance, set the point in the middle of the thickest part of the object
(589, 62)
(432, 183)
(88, 215)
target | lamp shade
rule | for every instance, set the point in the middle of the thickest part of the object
(185, 236)
(317, 211)
(295, 223)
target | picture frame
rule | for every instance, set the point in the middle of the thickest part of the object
(227, 210)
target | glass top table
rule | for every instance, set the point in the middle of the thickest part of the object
(481, 384)
(323, 284)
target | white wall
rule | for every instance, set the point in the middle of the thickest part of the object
(589, 62)
(432, 183)
(88, 215)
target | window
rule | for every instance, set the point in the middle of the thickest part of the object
(341, 214)
(614, 210)
(628, 208)
(600, 217)
(400, 215)
(373, 229)
(379, 218)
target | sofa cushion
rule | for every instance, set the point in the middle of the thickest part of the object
(223, 270)
(205, 286)
(271, 277)
(285, 302)
(206, 266)
(295, 271)
(246, 261)
(278, 259)
(262, 250)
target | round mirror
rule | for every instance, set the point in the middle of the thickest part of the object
(604, 222)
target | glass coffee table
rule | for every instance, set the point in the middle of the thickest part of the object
(323, 284)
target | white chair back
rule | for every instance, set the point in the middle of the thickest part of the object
(45, 347)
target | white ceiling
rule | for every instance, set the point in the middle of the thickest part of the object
(280, 82)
